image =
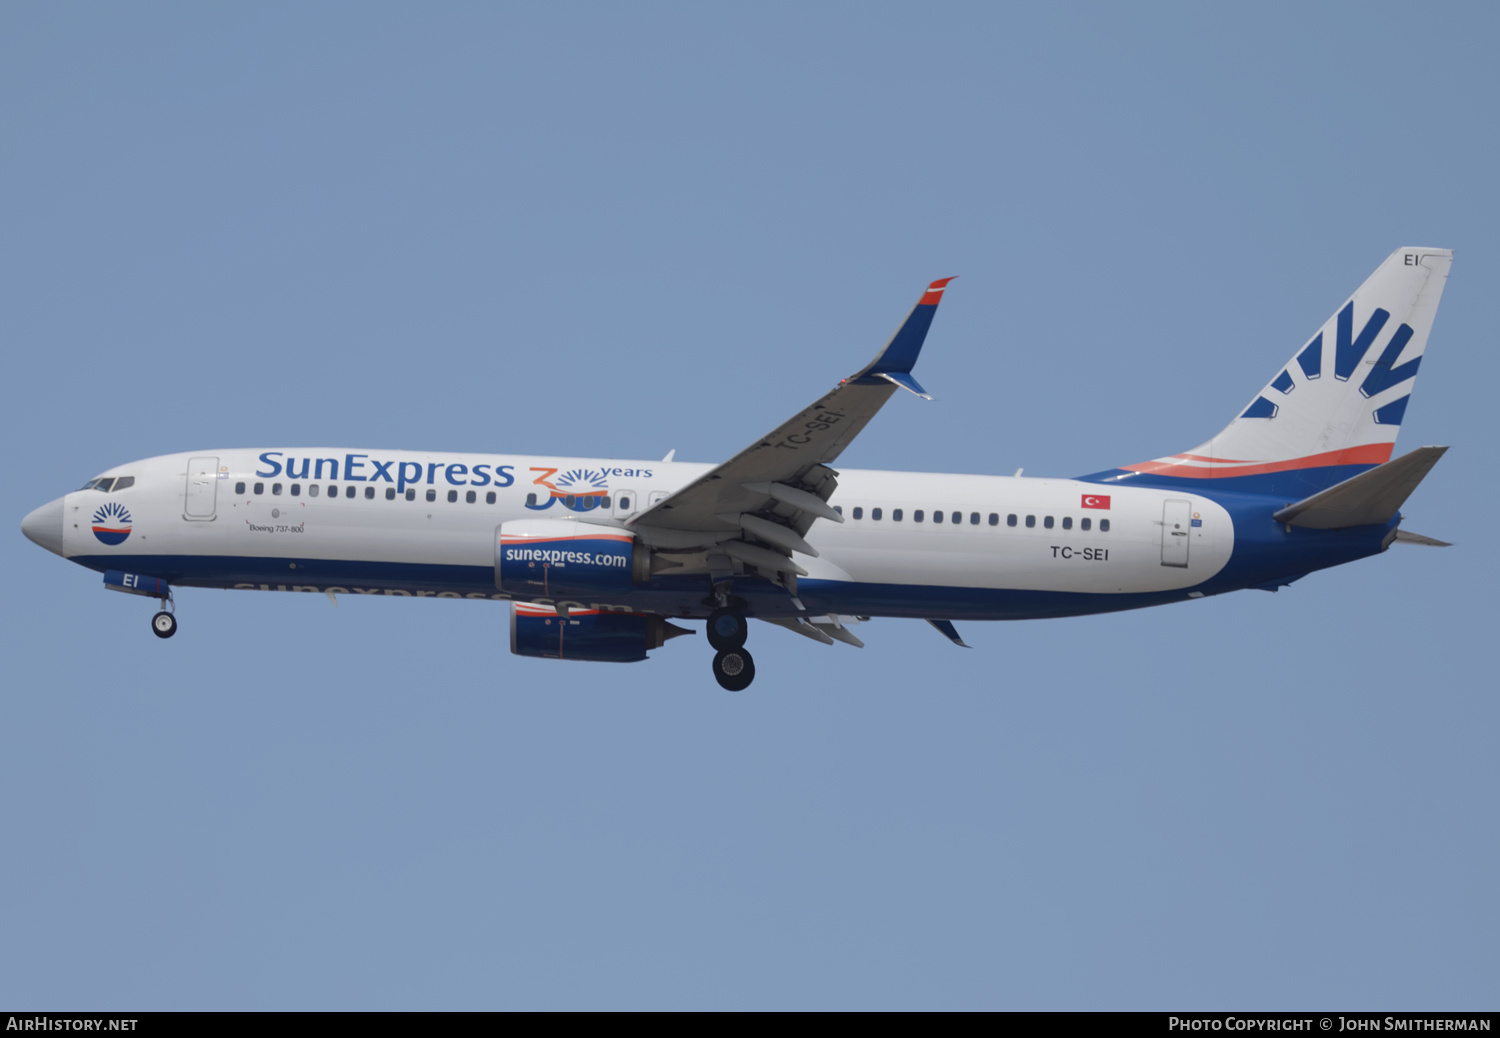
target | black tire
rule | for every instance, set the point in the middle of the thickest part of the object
(734, 669)
(727, 629)
(164, 625)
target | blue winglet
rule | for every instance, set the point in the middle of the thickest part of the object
(905, 381)
(947, 630)
(894, 363)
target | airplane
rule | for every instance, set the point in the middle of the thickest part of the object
(596, 558)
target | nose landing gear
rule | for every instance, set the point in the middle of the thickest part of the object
(164, 624)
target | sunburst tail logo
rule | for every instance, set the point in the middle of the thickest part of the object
(112, 523)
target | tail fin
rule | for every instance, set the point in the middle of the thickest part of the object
(1334, 410)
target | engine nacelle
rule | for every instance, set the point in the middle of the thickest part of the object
(548, 557)
(599, 636)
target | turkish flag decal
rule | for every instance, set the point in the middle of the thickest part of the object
(1095, 500)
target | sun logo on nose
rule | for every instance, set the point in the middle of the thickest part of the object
(112, 523)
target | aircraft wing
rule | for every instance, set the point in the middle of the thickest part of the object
(763, 500)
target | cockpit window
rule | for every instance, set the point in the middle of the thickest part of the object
(105, 483)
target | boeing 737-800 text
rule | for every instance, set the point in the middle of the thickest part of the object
(597, 558)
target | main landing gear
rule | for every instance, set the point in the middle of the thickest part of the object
(734, 668)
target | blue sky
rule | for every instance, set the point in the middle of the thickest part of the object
(613, 230)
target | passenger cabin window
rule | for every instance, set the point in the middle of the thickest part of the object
(411, 495)
(1085, 523)
(452, 496)
(471, 496)
(603, 501)
(1104, 526)
(937, 516)
(530, 500)
(994, 518)
(1067, 522)
(1030, 521)
(624, 503)
(432, 495)
(369, 493)
(973, 518)
(276, 489)
(958, 517)
(390, 493)
(312, 490)
(296, 489)
(1047, 522)
(874, 513)
(916, 516)
(333, 491)
(239, 488)
(839, 509)
(895, 515)
(489, 498)
(1010, 520)
(859, 513)
(350, 491)
(260, 488)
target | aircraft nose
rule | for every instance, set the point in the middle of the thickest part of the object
(45, 526)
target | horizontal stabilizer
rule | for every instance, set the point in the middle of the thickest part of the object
(1370, 498)
(1402, 537)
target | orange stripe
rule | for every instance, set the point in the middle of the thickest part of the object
(1368, 454)
(512, 538)
(1223, 461)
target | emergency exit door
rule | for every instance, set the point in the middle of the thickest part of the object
(202, 489)
(1176, 527)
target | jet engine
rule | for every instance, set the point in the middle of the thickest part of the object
(549, 557)
(594, 635)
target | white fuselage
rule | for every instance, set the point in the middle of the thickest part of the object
(238, 522)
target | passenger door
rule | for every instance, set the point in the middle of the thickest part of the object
(202, 489)
(1176, 525)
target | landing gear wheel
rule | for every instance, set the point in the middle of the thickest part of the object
(734, 669)
(727, 629)
(164, 624)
